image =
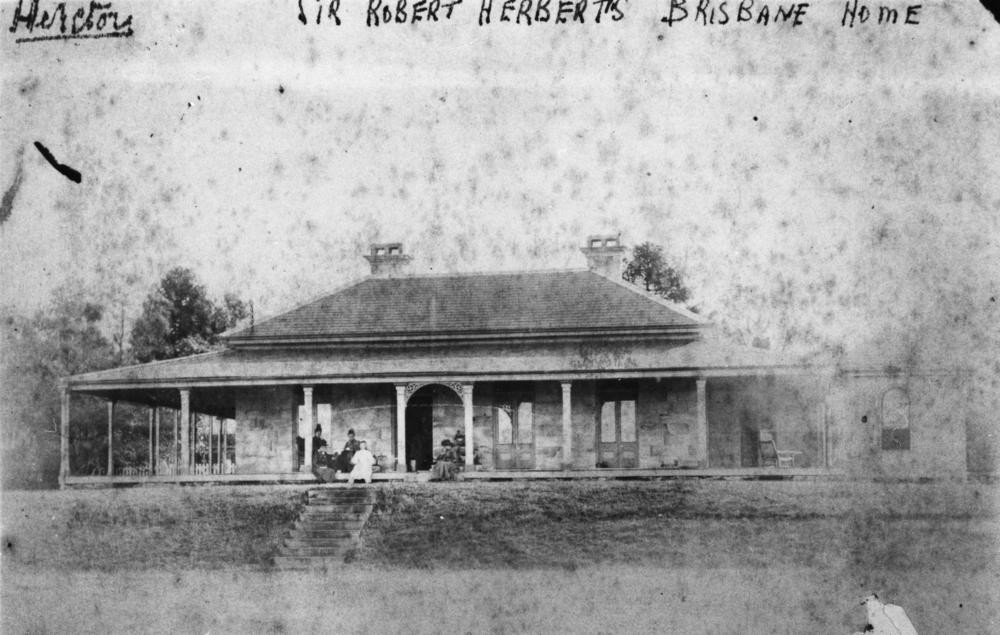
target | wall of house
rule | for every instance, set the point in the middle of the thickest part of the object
(936, 416)
(667, 414)
(265, 430)
(368, 409)
(791, 408)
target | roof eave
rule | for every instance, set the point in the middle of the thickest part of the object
(469, 337)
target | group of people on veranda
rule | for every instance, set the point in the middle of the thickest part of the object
(449, 458)
(355, 459)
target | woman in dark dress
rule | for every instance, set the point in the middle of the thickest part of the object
(342, 462)
(318, 442)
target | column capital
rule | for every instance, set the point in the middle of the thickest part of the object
(400, 390)
(307, 390)
(466, 390)
(566, 385)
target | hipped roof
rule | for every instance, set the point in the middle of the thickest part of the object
(470, 305)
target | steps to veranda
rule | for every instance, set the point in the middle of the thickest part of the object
(327, 530)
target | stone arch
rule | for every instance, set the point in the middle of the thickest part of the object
(412, 388)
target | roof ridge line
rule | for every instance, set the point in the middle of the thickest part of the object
(673, 306)
(485, 272)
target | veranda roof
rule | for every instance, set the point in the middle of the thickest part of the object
(263, 366)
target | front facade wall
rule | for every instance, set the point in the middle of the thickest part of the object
(865, 411)
(265, 430)
(790, 409)
(368, 409)
(838, 424)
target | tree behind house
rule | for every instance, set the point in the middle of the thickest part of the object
(178, 318)
(649, 269)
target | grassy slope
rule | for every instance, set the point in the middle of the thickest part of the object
(680, 523)
(692, 556)
(143, 528)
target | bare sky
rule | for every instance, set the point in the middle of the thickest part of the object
(820, 183)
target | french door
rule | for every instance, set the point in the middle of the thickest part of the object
(616, 432)
(515, 435)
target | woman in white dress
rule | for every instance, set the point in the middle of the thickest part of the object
(363, 462)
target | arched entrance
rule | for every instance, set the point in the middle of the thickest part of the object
(433, 411)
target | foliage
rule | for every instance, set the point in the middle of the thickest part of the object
(178, 318)
(649, 267)
(61, 341)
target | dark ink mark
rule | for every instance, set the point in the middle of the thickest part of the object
(660, 37)
(7, 203)
(65, 170)
(98, 20)
(281, 89)
(48, 38)
(864, 419)
(755, 118)
(993, 8)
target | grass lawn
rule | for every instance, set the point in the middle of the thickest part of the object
(671, 556)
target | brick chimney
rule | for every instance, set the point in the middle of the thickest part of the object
(387, 260)
(605, 255)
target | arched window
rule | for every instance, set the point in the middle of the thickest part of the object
(895, 419)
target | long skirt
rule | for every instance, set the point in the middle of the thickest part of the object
(443, 471)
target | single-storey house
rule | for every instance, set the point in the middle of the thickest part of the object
(558, 373)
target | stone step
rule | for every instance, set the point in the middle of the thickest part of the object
(326, 538)
(348, 523)
(334, 518)
(309, 562)
(306, 547)
(339, 496)
(328, 528)
(339, 550)
(356, 508)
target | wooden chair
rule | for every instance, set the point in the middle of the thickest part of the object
(770, 455)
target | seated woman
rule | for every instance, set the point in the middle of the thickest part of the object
(363, 461)
(319, 447)
(342, 461)
(444, 463)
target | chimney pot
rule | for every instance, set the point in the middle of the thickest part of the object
(387, 260)
(605, 255)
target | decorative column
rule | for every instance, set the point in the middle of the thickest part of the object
(224, 431)
(567, 425)
(64, 437)
(150, 441)
(185, 417)
(211, 433)
(176, 459)
(156, 444)
(111, 418)
(702, 423)
(401, 428)
(307, 423)
(467, 402)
